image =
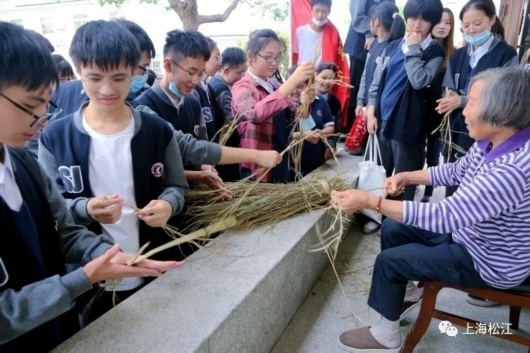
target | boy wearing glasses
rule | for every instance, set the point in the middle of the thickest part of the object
(119, 169)
(71, 95)
(38, 234)
(185, 56)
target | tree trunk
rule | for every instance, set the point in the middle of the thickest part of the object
(188, 12)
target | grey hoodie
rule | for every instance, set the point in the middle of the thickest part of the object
(22, 311)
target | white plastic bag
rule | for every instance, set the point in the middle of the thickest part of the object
(372, 175)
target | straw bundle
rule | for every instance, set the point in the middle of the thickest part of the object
(447, 133)
(258, 204)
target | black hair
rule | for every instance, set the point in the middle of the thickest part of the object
(151, 77)
(486, 6)
(187, 44)
(64, 69)
(233, 57)
(261, 38)
(429, 10)
(388, 15)
(211, 43)
(291, 70)
(26, 61)
(44, 40)
(143, 38)
(278, 76)
(323, 2)
(106, 44)
(326, 66)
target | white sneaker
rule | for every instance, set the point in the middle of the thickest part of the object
(371, 227)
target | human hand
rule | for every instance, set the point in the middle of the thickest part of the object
(413, 38)
(358, 110)
(113, 266)
(371, 120)
(308, 95)
(302, 74)
(312, 136)
(214, 181)
(267, 159)
(156, 213)
(351, 200)
(105, 209)
(449, 103)
(329, 154)
(368, 43)
(395, 185)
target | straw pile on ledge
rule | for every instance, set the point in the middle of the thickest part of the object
(258, 204)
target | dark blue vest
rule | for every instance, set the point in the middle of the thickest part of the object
(71, 149)
(408, 123)
(501, 54)
(183, 119)
(31, 252)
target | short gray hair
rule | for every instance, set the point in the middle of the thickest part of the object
(505, 100)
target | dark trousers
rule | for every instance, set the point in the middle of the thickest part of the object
(356, 72)
(399, 157)
(434, 146)
(413, 254)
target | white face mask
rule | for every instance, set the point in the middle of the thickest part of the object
(319, 23)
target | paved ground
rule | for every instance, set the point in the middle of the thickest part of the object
(328, 309)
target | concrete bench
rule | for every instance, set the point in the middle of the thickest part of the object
(236, 295)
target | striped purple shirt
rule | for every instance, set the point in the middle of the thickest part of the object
(490, 212)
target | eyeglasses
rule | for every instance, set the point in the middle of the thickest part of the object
(95, 84)
(191, 76)
(271, 59)
(39, 120)
(146, 68)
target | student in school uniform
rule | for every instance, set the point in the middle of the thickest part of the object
(396, 105)
(444, 33)
(233, 67)
(485, 50)
(264, 107)
(319, 123)
(38, 235)
(387, 26)
(64, 69)
(119, 169)
(71, 95)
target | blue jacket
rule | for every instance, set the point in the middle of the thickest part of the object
(158, 173)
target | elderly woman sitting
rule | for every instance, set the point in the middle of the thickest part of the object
(479, 237)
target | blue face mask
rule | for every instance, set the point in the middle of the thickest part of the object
(478, 39)
(138, 82)
(173, 88)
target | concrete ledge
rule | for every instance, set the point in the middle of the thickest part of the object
(236, 295)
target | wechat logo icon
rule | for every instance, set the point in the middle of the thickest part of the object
(448, 328)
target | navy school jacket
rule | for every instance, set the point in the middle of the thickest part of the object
(409, 121)
(459, 74)
(158, 173)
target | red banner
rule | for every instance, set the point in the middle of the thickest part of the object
(332, 50)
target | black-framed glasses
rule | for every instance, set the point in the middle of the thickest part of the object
(39, 120)
(271, 59)
(191, 76)
(145, 68)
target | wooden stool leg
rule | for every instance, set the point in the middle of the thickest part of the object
(430, 293)
(515, 314)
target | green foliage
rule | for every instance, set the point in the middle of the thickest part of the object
(118, 3)
(275, 9)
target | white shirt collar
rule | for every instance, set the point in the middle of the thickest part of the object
(176, 103)
(6, 167)
(423, 44)
(476, 55)
(265, 84)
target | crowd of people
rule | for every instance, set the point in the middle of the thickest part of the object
(118, 148)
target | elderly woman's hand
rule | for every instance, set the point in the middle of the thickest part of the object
(394, 185)
(351, 200)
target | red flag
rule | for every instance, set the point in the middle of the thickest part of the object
(332, 50)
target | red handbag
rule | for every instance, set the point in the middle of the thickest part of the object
(356, 139)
